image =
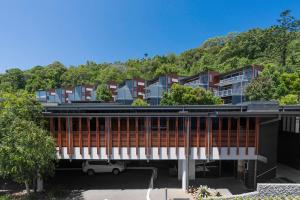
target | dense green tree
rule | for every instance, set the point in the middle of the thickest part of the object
(139, 102)
(22, 105)
(261, 88)
(103, 93)
(13, 79)
(26, 151)
(185, 95)
(285, 33)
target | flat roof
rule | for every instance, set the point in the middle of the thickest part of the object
(265, 109)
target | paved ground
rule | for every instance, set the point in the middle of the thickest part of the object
(288, 172)
(131, 184)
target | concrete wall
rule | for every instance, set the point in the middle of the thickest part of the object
(269, 190)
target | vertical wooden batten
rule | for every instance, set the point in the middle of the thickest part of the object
(168, 137)
(67, 134)
(220, 134)
(119, 136)
(238, 136)
(128, 137)
(88, 121)
(136, 135)
(71, 136)
(247, 135)
(206, 136)
(80, 135)
(97, 135)
(256, 135)
(176, 137)
(198, 136)
(228, 135)
(59, 135)
(158, 136)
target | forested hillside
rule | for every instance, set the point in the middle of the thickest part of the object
(277, 48)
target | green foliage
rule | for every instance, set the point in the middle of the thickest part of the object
(139, 102)
(5, 197)
(185, 95)
(103, 93)
(273, 84)
(277, 47)
(203, 192)
(289, 99)
(12, 80)
(25, 149)
(261, 88)
(22, 105)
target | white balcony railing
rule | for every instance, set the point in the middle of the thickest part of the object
(229, 92)
(234, 79)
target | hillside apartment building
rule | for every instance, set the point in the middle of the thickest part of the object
(230, 86)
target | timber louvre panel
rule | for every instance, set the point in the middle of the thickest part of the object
(128, 137)
(256, 135)
(80, 135)
(89, 134)
(97, 135)
(158, 135)
(238, 136)
(176, 140)
(59, 135)
(136, 135)
(119, 135)
(228, 135)
(247, 135)
(168, 136)
(198, 136)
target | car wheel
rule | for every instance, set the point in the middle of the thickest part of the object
(90, 172)
(115, 171)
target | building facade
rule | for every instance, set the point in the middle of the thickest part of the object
(229, 86)
(206, 80)
(158, 86)
(130, 90)
(245, 135)
(232, 84)
(67, 94)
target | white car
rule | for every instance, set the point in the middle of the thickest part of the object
(94, 166)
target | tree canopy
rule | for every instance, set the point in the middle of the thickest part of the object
(186, 95)
(103, 93)
(26, 148)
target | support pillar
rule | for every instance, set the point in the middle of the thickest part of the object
(186, 172)
(240, 169)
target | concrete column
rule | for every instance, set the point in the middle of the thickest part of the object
(183, 171)
(240, 168)
(191, 169)
(40, 183)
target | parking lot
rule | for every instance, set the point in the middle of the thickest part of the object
(130, 183)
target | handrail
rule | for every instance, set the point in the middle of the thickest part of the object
(266, 172)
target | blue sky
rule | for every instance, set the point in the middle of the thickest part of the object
(38, 32)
